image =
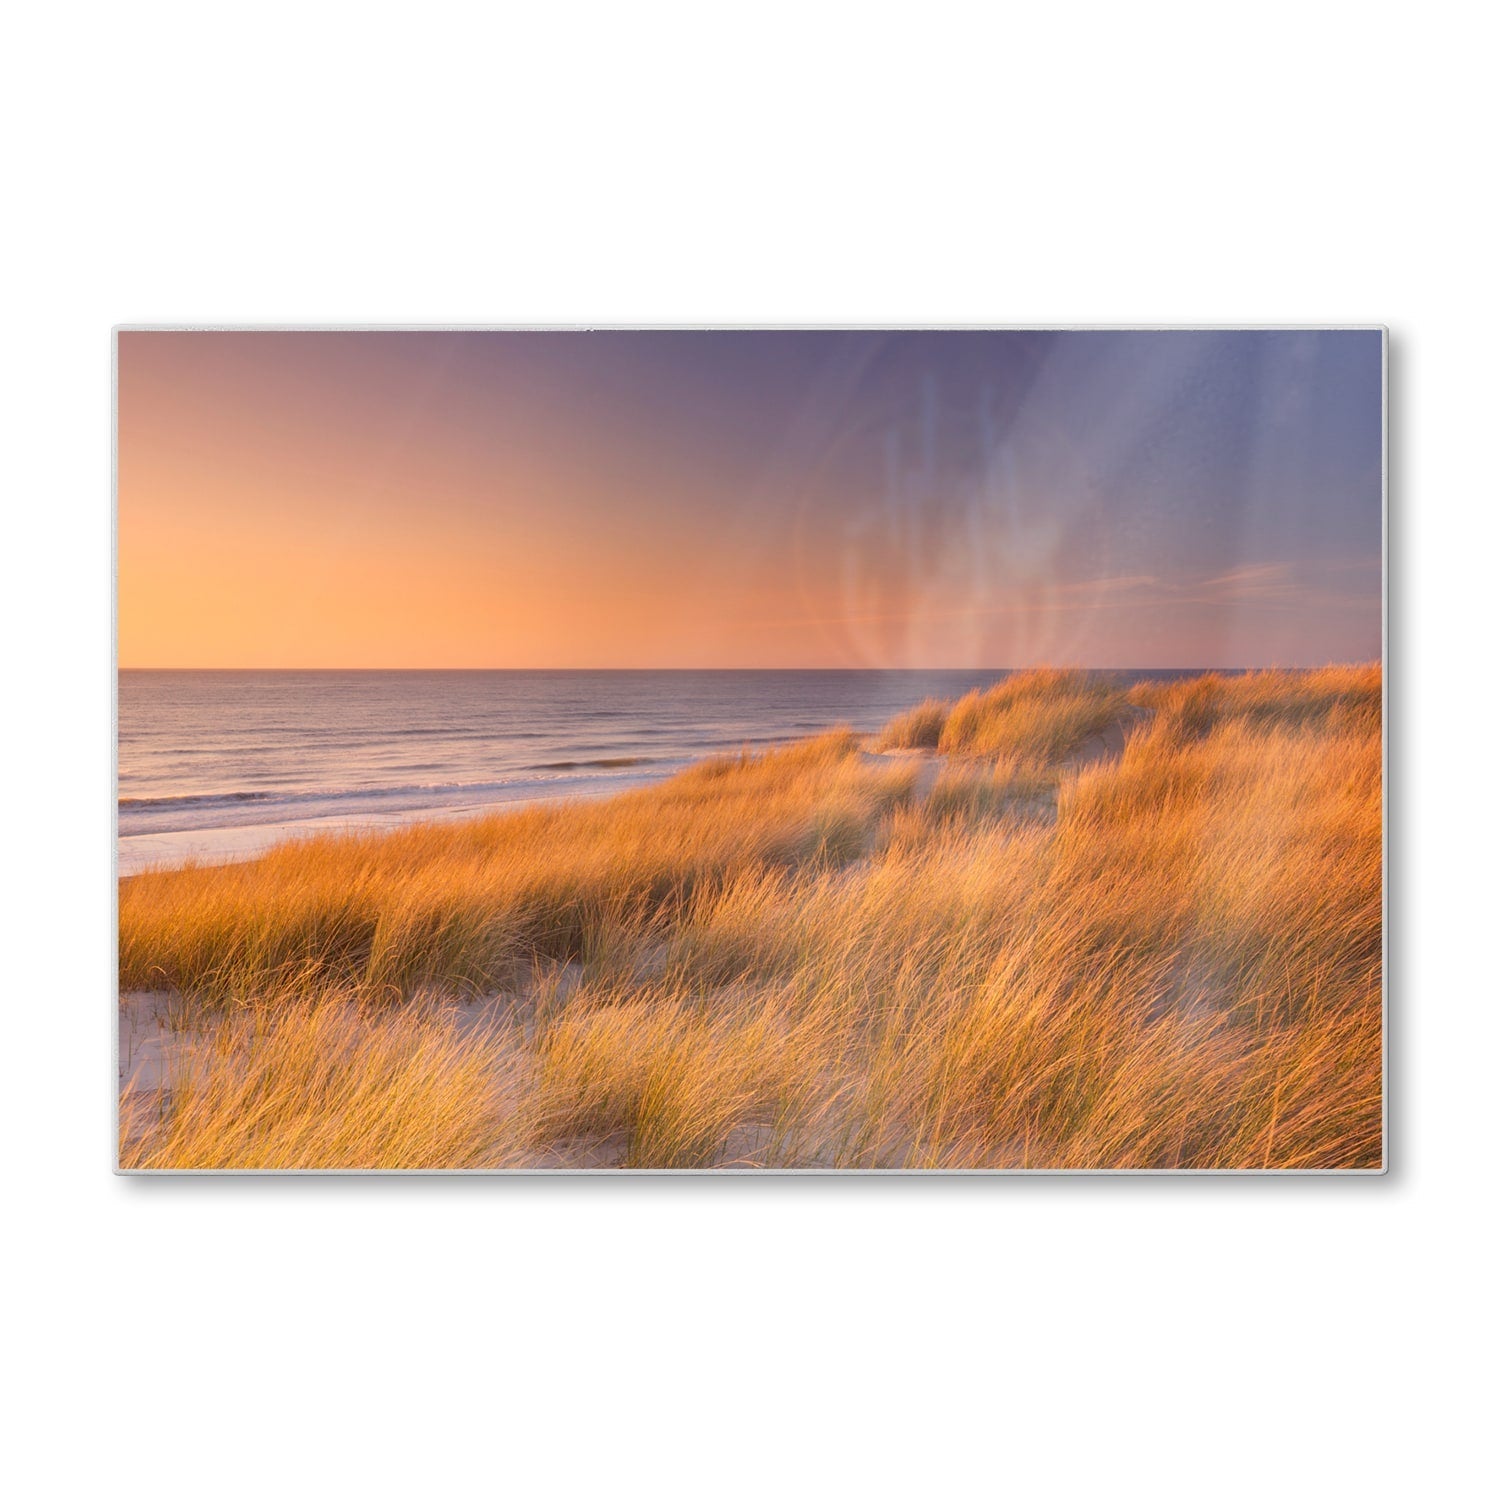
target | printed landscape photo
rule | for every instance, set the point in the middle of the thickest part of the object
(814, 750)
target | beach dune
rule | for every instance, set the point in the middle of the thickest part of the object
(1061, 921)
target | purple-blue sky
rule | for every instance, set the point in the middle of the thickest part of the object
(749, 499)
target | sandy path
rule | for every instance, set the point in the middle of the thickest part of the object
(928, 763)
(1101, 749)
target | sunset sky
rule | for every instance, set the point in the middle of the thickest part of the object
(749, 499)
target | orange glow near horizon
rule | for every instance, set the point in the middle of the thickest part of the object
(412, 500)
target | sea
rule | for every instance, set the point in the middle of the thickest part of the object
(218, 765)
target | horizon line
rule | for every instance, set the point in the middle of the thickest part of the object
(1024, 667)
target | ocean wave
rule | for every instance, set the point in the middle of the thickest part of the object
(318, 794)
(609, 763)
(203, 799)
(520, 778)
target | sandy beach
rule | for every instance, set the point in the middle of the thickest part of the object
(220, 846)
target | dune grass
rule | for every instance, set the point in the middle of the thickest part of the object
(328, 1082)
(919, 728)
(1032, 717)
(1169, 959)
(1036, 716)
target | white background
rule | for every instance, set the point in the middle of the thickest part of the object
(780, 163)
